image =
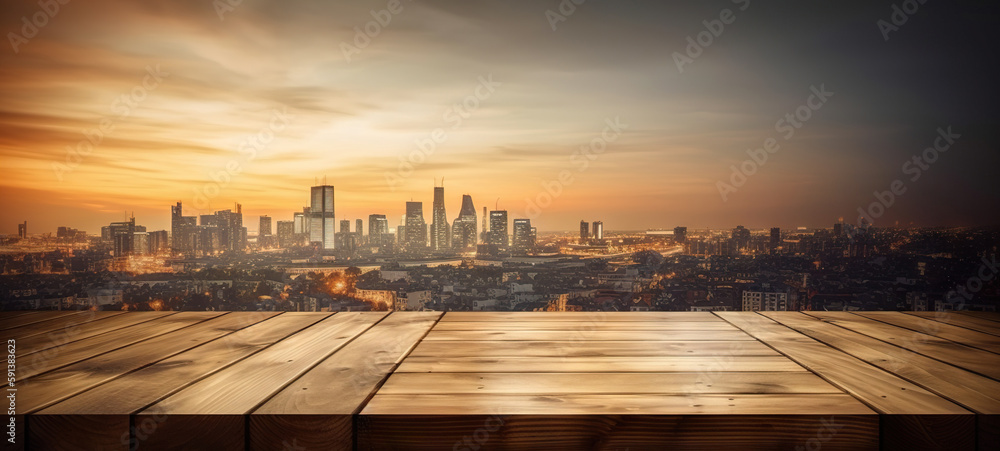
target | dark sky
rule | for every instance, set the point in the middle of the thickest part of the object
(354, 116)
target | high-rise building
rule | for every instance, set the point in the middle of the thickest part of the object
(229, 223)
(741, 239)
(524, 238)
(378, 230)
(345, 226)
(463, 236)
(440, 231)
(359, 228)
(286, 233)
(158, 242)
(416, 228)
(498, 235)
(265, 226)
(584, 232)
(775, 239)
(22, 229)
(182, 230)
(680, 234)
(123, 237)
(598, 230)
(321, 217)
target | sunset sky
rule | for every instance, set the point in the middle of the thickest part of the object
(353, 116)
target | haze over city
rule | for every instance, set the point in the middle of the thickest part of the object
(515, 88)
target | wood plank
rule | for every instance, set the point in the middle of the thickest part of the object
(129, 394)
(938, 329)
(336, 389)
(60, 356)
(966, 321)
(222, 401)
(134, 391)
(521, 383)
(975, 360)
(583, 327)
(617, 432)
(11, 322)
(977, 393)
(588, 348)
(885, 392)
(596, 335)
(617, 404)
(243, 386)
(49, 388)
(593, 364)
(75, 332)
(61, 323)
(587, 317)
(992, 316)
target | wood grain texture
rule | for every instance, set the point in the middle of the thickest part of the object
(992, 316)
(594, 364)
(584, 317)
(194, 432)
(589, 348)
(46, 389)
(57, 357)
(597, 335)
(60, 324)
(977, 393)
(615, 404)
(910, 432)
(136, 390)
(584, 327)
(302, 432)
(46, 432)
(967, 321)
(245, 385)
(615, 432)
(938, 329)
(972, 359)
(604, 383)
(10, 321)
(882, 390)
(338, 387)
(80, 331)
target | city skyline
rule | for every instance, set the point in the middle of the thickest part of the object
(186, 101)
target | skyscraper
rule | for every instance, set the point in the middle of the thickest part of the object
(584, 231)
(416, 228)
(598, 230)
(524, 239)
(775, 239)
(22, 229)
(440, 232)
(498, 234)
(463, 235)
(286, 233)
(321, 220)
(359, 228)
(182, 230)
(378, 229)
(265, 226)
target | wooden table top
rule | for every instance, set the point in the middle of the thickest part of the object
(597, 380)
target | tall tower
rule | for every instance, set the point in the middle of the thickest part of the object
(440, 232)
(498, 229)
(484, 236)
(416, 228)
(321, 220)
(584, 232)
(463, 235)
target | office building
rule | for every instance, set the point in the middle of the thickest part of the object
(598, 230)
(584, 232)
(415, 237)
(286, 234)
(321, 217)
(524, 239)
(440, 231)
(463, 236)
(22, 229)
(498, 233)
